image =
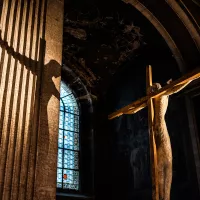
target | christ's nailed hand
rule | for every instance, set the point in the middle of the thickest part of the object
(169, 81)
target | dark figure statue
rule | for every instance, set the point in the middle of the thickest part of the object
(162, 139)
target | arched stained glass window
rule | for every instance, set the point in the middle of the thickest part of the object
(68, 141)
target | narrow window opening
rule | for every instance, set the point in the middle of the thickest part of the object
(68, 141)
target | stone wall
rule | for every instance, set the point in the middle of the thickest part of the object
(30, 66)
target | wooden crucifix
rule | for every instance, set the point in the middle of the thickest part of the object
(160, 146)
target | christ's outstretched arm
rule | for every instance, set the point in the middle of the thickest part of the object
(177, 88)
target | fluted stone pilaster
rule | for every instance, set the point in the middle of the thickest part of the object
(30, 59)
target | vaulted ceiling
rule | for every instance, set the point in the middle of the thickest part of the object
(100, 37)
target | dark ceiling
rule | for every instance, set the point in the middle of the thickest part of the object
(101, 37)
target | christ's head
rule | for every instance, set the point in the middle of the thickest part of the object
(155, 87)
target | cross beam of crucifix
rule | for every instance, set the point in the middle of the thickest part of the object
(148, 101)
(142, 102)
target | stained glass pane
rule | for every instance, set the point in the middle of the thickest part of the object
(60, 158)
(62, 107)
(71, 122)
(59, 185)
(70, 159)
(76, 110)
(72, 180)
(64, 91)
(59, 178)
(60, 139)
(71, 140)
(69, 100)
(61, 120)
(72, 109)
(70, 104)
(68, 141)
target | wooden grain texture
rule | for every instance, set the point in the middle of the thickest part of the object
(142, 102)
(152, 144)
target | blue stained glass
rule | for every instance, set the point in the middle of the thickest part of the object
(59, 185)
(76, 119)
(72, 109)
(62, 106)
(68, 141)
(60, 139)
(71, 122)
(72, 179)
(61, 120)
(59, 178)
(76, 111)
(60, 158)
(70, 104)
(76, 127)
(64, 91)
(71, 186)
(70, 159)
(69, 117)
(76, 141)
(71, 140)
(69, 100)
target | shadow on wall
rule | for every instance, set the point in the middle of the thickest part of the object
(42, 93)
(32, 65)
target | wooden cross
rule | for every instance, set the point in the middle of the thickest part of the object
(148, 101)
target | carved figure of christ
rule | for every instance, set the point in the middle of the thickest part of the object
(160, 146)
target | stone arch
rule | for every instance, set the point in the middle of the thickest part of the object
(163, 32)
(186, 21)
